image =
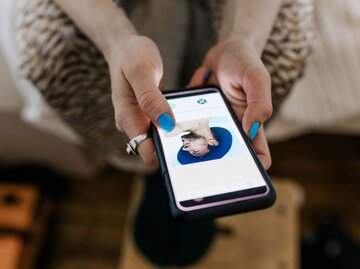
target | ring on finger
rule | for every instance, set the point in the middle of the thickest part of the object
(132, 145)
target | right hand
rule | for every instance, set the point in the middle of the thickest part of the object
(136, 71)
(237, 68)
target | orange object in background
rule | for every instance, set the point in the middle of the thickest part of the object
(17, 207)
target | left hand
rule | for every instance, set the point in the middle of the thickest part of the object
(237, 68)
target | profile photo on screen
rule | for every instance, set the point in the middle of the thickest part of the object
(199, 141)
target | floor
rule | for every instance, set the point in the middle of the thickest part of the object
(328, 168)
(85, 218)
(87, 229)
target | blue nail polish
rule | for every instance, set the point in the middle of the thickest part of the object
(254, 130)
(207, 75)
(166, 122)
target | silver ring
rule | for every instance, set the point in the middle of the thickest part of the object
(131, 146)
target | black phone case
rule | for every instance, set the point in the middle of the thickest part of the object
(221, 210)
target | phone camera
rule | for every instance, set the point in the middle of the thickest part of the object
(202, 101)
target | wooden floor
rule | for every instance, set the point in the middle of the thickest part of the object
(88, 228)
(89, 222)
(251, 240)
(328, 167)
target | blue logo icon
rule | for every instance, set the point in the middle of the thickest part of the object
(202, 101)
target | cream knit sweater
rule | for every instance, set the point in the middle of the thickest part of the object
(329, 94)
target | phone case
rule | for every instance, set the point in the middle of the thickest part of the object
(220, 210)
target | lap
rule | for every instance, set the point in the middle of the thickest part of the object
(73, 76)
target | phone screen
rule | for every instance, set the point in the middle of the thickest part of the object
(207, 159)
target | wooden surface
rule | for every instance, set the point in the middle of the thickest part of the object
(263, 239)
(17, 206)
(88, 225)
(34, 241)
(10, 252)
(328, 168)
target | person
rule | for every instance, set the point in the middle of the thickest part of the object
(136, 69)
(201, 143)
(197, 148)
(95, 69)
(198, 139)
(196, 145)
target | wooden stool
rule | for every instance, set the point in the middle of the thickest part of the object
(17, 207)
(20, 215)
(262, 239)
(10, 251)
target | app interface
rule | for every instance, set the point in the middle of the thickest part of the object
(205, 153)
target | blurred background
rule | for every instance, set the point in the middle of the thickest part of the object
(62, 206)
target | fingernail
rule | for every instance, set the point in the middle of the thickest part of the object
(166, 122)
(254, 130)
(207, 75)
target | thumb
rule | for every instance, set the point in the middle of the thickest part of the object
(151, 100)
(257, 86)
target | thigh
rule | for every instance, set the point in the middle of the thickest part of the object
(70, 72)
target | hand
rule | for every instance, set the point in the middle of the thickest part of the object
(236, 66)
(212, 142)
(136, 70)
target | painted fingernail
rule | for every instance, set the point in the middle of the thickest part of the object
(254, 130)
(166, 122)
(207, 75)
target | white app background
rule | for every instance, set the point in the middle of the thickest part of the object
(234, 171)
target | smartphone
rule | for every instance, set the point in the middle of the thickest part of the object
(208, 164)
